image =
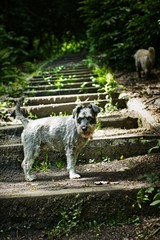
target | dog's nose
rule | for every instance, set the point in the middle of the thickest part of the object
(84, 128)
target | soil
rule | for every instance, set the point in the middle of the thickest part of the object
(147, 229)
(127, 172)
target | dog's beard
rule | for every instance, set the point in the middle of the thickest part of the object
(86, 134)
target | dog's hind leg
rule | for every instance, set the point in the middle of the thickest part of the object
(29, 157)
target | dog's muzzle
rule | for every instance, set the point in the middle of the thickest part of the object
(85, 132)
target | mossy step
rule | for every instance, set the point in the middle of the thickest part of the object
(64, 98)
(46, 110)
(40, 80)
(69, 72)
(57, 75)
(61, 91)
(65, 85)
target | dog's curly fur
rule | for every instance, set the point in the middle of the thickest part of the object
(62, 133)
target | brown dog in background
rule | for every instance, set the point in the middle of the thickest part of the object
(144, 60)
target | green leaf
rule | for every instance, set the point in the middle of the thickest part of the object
(154, 203)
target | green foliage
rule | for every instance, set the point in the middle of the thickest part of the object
(59, 83)
(4, 105)
(157, 147)
(72, 46)
(43, 166)
(105, 80)
(59, 163)
(69, 221)
(107, 83)
(12, 53)
(150, 195)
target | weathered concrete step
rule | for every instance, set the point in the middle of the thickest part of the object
(61, 91)
(68, 71)
(66, 75)
(68, 78)
(47, 110)
(114, 125)
(100, 148)
(118, 121)
(10, 134)
(64, 98)
(63, 85)
(52, 80)
(39, 204)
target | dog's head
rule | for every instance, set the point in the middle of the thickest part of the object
(85, 118)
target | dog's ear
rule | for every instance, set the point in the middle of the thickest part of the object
(77, 110)
(95, 108)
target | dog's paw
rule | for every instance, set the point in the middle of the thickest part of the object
(30, 178)
(74, 175)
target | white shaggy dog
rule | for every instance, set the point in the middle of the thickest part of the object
(144, 60)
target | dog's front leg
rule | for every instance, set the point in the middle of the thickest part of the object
(71, 163)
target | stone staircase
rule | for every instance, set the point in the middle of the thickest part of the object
(106, 186)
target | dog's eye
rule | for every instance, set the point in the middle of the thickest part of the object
(79, 120)
(91, 120)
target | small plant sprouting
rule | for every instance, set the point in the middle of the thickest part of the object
(59, 163)
(105, 79)
(69, 220)
(108, 84)
(106, 159)
(58, 69)
(98, 125)
(32, 93)
(31, 115)
(43, 166)
(150, 195)
(62, 114)
(59, 83)
(157, 147)
(48, 80)
(109, 107)
(4, 110)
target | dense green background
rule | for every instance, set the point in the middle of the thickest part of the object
(32, 31)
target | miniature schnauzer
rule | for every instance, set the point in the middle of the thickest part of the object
(61, 133)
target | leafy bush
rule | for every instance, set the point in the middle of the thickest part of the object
(106, 80)
(11, 54)
(119, 28)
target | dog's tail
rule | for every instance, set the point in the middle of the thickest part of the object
(19, 115)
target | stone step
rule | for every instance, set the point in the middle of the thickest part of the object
(67, 72)
(66, 75)
(42, 208)
(41, 110)
(40, 80)
(113, 124)
(61, 91)
(101, 148)
(63, 85)
(64, 98)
